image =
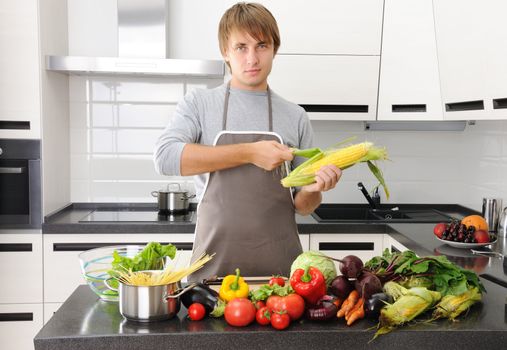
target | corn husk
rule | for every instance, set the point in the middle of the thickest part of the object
(451, 306)
(409, 304)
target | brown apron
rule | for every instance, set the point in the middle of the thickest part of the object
(245, 216)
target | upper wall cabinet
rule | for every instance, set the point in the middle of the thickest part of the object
(19, 70)
(328, 87)
(328, 27)
(409, 81)
(472, 53)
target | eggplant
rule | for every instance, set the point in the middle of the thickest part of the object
(204, 295)
(375, 303)
(325, 309)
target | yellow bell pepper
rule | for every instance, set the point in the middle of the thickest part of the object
(233, 286)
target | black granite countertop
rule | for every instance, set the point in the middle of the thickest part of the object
(85, 322)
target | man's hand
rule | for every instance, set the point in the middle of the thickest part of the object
(326, 179)
(269, 155)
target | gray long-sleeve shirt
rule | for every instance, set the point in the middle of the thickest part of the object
(198, 119)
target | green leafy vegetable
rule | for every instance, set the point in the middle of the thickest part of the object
(150, 258)
(265, 291)
(446, 277)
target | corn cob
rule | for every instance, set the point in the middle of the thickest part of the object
(342, 158)
(410, 304)
(451, 306)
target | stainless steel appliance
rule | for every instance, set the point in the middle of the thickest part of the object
(20, 184)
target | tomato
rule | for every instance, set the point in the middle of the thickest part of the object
(280, 320)
(263, 316)
(239, 312)
(277, 280)
(196, 312)
(259, 304)
(293, 304)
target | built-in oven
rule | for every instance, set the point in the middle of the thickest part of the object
(20, 184)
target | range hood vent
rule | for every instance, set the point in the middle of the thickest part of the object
(142, 48)
(457, 125)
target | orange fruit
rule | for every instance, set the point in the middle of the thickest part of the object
(476, 221)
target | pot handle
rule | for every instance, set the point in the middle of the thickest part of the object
(154, 193)
(188, 197)
(106, 282)
(179, 292)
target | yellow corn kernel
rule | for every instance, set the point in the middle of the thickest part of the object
(341, 158)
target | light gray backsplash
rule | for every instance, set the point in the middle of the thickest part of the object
(114, 123)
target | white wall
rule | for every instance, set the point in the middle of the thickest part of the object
(115, 122)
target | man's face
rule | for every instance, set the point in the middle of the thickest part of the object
(250, 61)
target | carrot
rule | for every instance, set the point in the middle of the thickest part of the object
(348, 304)
(338, 302)
(352, 309)
(357, 313)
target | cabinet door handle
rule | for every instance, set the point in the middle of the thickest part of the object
(499, 103)
(10, 170)
(336, 108)
(464, 106)
(408, 108)
(14, 125)
(346, 245)
(16, 316)
(16, 247)
(78, 247)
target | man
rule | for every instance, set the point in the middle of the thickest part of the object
(234, 139)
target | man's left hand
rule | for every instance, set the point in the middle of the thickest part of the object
(325, 179)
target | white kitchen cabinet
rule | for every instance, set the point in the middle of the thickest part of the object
(19, 70)
(409, 80)
(19, 323)
(328, 87)
(21, 267)
(62, 270)
(364, 246)
(49, 310)
(393, 245)
(328, 27)
(472, 50)
(305, 241)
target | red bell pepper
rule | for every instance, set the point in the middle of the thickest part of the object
(309, 283)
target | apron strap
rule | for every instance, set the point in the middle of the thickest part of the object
(226, 107)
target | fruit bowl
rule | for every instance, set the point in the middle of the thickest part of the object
(464, 245)
(95, 264)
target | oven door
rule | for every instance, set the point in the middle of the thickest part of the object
(20, 193)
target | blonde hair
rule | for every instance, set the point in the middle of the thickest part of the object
(252, 18)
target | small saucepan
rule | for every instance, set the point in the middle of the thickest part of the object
(172, 201)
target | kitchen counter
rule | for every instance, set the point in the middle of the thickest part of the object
(85, 322)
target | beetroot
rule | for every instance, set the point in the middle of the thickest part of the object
(368, 284)
(341, 287)
(351, 266)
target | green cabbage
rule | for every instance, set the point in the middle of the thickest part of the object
(318, 260)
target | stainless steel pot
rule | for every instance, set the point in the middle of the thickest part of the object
(150, 303)
(172, 202)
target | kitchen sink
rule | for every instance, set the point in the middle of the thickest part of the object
(386, 213)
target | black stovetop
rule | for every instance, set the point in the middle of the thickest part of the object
(129, 215)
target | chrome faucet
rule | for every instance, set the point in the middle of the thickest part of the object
(375, 201)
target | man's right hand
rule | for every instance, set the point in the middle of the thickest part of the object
(269, 155)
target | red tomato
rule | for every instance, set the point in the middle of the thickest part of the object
(277, 280)
(239, 312)
(259, 304)
(293, 304)
(280, 320)
(263, 316)
(196, 312)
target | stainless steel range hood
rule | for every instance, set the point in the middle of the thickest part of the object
(142, 48)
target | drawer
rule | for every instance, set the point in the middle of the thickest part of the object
(21, 268)
(49, 310)
(364, 246)
(19, 323)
